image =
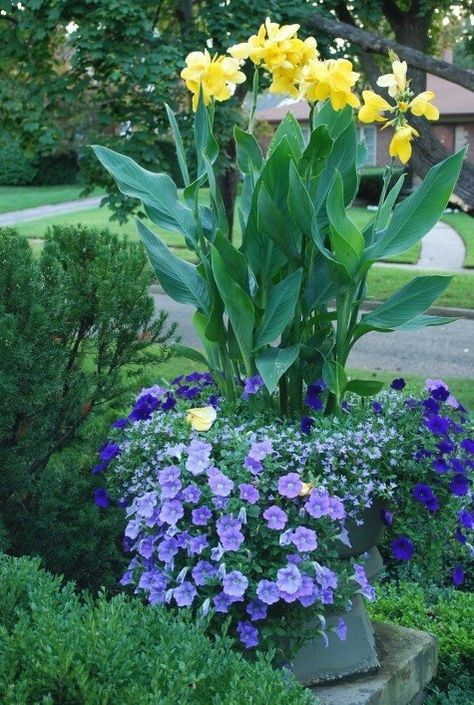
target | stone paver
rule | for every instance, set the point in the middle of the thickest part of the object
(409, 661)
(27, 214)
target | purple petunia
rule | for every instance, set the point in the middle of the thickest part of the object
(312, 397)
(445, 446)
(248, 634)
(220, 484)
(438, 425)
(376, 407)
(267, 592)
(109, 451)
(201, 515)
(402, 548)
(248, 493)
(304, 539)
(440, 466)
(102, 498)
(199, 457)
(222, 602)
(341, 629)
(191, 494)
(336, 509)
(290, 485)
(459, 485)
(171, 511)
(168, 474)
(289, 580)
(100, 467)
(458, 575)
(167, 549)
(422, 493)
(144, 407)
(466, 518)
(197, 544)
(398, 384)
(306, 424)
(184, 594)
(120, 423)
(203, 571)
(468, 445)
(252, 386)
(257, 610)
(275, 517)
(235, 583)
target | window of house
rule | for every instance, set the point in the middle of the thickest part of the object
(368, 133)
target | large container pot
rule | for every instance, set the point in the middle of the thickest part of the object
(315, 663)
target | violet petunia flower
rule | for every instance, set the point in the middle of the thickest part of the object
(275, 517)
(267, 592)
(171, 511)
(289, 579)
(290, 485)
(402, 548)
(220, 484)
(235, 583)
(304, 539)
(184, 594)
(248, 634)
(257, 610)
(252, 386)
(248, 493)
(201, 515)
(102, 498)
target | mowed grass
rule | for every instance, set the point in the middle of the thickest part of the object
(384, 281)
(13, 198)
(464, 226)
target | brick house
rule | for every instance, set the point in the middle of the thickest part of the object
(454, 129)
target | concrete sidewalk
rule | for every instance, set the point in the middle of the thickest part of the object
(27, 214)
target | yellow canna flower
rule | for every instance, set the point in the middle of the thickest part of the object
(373, 107)
(396, 82)
(216, 77)
(333, 79)
(269, 46)
(306, 488)
(202, 418)
(400, 146)
(421, 106)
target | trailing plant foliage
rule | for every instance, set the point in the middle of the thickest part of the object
(265, 306)
(59, 648)
(72, 325)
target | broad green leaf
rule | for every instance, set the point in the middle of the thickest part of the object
(235, 261)
(237, 304)
(320, 286)
(179, 279)
(272, 363)
(364, 387)
(178, 140)
(273, 226)
(280, 308)
(190, 353)
(216, 199)
(206, 144)
(314, 156)
(289, 129)
(423, 321)
(348, 241)
(335, 377)
(342, 158)
(417, 214)
(157, 192)
(336, 120)
(300, 206)
(200, 323)
(406, 304)
(249, 153)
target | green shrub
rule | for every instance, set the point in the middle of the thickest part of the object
(62, 649)
(55, 169)
(16, 169)
(447, 613)
(371, 184)
(72, 326)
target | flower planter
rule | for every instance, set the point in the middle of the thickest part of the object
(319, 663)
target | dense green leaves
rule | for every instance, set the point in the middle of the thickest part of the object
(280, 307)
(272, 363)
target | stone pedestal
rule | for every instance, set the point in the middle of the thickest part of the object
(408, 660)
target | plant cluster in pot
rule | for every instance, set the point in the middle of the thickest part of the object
(255, 487)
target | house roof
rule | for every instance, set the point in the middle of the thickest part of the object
(452, 100)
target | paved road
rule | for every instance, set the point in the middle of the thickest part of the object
(433, 352)
(27, 214)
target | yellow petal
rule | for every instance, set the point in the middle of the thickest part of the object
(306, 488)
(201, 418)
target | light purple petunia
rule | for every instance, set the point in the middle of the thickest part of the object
(289, 580)
(184, 594)
(169, 490)
(168, 474)
(336, 509)
(260, 449)
(255, 466)
(249, 493)
(326, 577)
(167, 549)
(252, 386)
(231, 539)
(220, 484)
(197, 544)
(341, 629)
(171, 511)
(235, 583)
(191, 494)
(267, 592)
(275, 517)
(304, 539)
(290, 485)
(199, 454)
(145, 547)
(318, 503)
(222, 602)
(145, 505)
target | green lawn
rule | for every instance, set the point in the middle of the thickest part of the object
(14, 198)
(383, 281)
(464, 225)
